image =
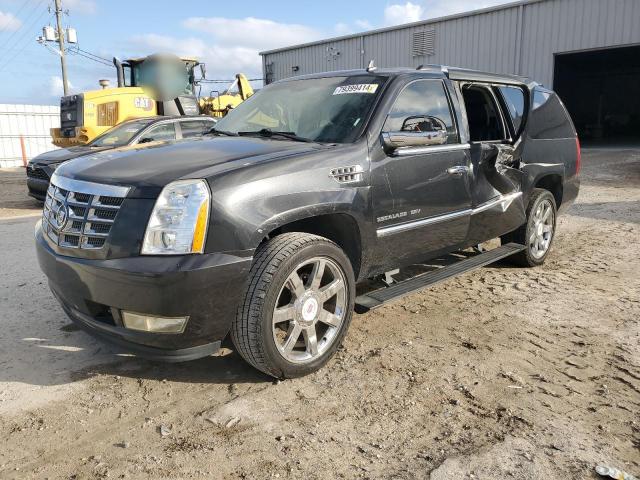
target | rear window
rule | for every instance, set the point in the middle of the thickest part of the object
(549, 119)
(514, 101)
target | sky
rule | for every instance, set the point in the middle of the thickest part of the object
(227, 39)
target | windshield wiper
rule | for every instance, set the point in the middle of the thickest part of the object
(268, 133)
(215, 131)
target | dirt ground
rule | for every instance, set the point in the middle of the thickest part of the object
(14, 201)
(501, 373)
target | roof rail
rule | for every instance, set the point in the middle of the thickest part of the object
(441, 68)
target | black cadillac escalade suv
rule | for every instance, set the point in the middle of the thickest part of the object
(262, 229)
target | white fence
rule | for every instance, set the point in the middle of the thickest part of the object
(24, 132)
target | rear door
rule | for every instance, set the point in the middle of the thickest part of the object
(495, 116)
(420, 194)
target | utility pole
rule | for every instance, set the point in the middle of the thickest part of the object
(63, 60)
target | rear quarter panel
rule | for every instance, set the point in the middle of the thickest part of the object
(550, 146)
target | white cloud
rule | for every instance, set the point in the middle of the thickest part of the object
(363, 24)
(81, 6)
(343, 29)
(406, 13)
(56, 87)
(252, 32)
(233, 45)
(441, 8)
(349, 28)
(9, 22)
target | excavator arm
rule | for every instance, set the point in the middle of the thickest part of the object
(244, 87)
(219, 106)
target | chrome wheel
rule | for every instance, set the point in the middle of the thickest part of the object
(542, 229)
(310, 310)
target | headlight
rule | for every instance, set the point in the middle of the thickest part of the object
(179, 220)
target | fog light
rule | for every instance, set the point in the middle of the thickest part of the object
(149, 323)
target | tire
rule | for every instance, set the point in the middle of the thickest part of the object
(283, 346)
(532, 256)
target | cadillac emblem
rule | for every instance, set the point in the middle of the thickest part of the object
(60, 216)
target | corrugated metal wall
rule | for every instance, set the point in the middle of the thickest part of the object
(519, 38)
(32, 123)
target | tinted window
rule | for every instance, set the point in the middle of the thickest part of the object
(195, 128)
(164, 131)
(423, 98)
(548, 117)
(514, 101)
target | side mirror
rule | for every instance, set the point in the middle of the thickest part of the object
(203, 71)
(145, 140)
(418, 131)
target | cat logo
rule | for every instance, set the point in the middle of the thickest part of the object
(143, 102)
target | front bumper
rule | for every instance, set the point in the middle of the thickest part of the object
(206, 288)
(38, 185)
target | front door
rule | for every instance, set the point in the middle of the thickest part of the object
(420, 196)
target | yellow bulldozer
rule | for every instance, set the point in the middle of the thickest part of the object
(148, 86)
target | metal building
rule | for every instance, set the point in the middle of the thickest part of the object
(587, 50)
(24, 132)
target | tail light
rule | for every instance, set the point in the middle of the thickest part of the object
(578, 156)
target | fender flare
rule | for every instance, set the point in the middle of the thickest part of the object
(303, 213)
(534, 172)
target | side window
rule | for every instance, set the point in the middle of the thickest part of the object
(548, 118)
(195, 128)
(515, 104)
(421, 107)
(483, 115)
(164, 131)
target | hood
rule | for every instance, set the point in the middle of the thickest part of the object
(55, 157)
(149, 167)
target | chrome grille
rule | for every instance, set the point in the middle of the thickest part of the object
(80, 217)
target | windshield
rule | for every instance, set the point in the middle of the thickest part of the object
(120, 135)
(331, 110)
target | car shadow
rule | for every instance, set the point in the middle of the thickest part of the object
(80, 357)
(226, 367)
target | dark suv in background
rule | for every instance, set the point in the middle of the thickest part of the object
(132, 132)
(315, 183)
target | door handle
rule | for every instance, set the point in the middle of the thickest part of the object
(457, 170)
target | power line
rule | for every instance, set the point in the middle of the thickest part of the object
(90, 56)
(35, 9)
(96, 56)
(23, 36)
(15, 15)
(80, 54)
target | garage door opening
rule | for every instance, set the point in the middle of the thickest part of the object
(601, 90)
